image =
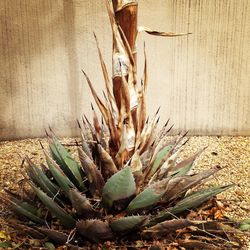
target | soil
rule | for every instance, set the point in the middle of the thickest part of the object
(233, 153)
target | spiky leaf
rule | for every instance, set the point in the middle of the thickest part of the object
(120, 186)
(23, 211)
(65, 218)
(25, 205)
(69, 165)
(179, 185)
(158, 159)
(127, 224)
(82, 205)
(183, 167)
(60, 177)
(148, 197)
(197, 198)
(99, 103)
(191, 201)
(96, 181)
(108, 167)
(37, 175)
(22, 208)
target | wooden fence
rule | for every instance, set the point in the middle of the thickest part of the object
(201, 81)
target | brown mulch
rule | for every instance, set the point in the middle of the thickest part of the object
(230, 152)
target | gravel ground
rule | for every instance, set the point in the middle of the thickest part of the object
(230, 152)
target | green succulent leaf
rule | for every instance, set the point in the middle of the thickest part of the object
(191, 201)
(128, 223)
(120, 186)
(68, 164)
(148, 197)
(145, 199)
(25, 205)
(60, 177)
(23, 208)
(159, 157)
(46, 182)
(184, 170)
(179, 185)
(197, 198)
(66, 219)
(37, 176)
(23, 211)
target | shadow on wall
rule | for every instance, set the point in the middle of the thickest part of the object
(36, 36)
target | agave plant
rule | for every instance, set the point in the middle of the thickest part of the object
(128, 182)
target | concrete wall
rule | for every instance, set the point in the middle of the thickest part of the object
(200, 81)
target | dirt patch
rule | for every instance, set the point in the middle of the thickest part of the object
(230, 152)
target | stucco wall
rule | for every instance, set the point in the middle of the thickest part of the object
(200, 81)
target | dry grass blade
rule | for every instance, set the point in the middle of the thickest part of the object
(106, 79)
(160, 33)
(145, 71)
(148, 132)
(96, 123)
(90, 128)
(141, 116)
(99, 103)
(114, 134)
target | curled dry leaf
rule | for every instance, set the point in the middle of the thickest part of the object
(160, 33)
(94, 230)
(165, 228)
